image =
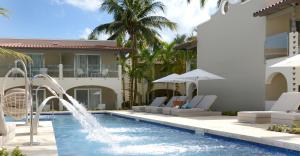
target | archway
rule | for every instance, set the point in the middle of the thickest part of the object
(94, 97)
(276, 85)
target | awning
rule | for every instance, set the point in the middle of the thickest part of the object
(289, 62)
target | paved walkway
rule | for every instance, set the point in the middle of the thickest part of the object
(45, 137)
(223, 126)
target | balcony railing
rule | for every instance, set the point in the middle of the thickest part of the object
(69, 71)
(103, 70)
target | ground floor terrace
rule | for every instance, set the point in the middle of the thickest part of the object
(223, 126)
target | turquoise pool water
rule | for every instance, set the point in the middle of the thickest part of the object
(147, 139)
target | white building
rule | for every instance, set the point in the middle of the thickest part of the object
(240, 43)
(87, 70)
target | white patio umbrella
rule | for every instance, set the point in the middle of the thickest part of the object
(173, 78)
(199, 74)
(289, 62)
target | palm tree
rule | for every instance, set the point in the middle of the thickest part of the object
(8, 52)
(135, 19)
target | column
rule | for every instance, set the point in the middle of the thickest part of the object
(119, 100)
(61, 71)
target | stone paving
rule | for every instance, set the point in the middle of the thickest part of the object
(222, 126)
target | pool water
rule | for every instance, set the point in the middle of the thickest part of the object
(146, 139)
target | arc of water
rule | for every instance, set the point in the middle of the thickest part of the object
(40, 109)
(86, 120)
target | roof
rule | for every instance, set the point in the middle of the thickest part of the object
(59, 44)
(278, 6)
(189, 45)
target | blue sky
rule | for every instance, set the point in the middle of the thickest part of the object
(74, 19)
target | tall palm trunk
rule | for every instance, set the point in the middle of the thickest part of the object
(133, 82)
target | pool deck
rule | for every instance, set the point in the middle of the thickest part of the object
(222, 126)
(45, 137)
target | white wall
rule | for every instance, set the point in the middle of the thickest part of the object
(232, 46)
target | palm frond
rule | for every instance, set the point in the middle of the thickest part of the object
(17, 55)
(4, 12)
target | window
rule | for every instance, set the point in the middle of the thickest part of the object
(298, 26)
(225, 7)
(90, 97)
(87, 65)
(38, 62)
(41, 97)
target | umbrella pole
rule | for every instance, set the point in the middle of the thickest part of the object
(174, 89)
(197, 84)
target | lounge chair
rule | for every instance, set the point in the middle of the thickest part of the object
(193, 103)
(158, 110)
(286, 118)
(202, 109)
(289, 101)
(158, 101)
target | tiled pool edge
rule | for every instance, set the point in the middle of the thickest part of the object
(254, 140)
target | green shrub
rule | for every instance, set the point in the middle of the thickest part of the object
(3, 152)
(16, 152)
(293, 129)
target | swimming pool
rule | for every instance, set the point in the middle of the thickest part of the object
(143, 139)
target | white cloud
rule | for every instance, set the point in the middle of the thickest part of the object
(87, 31)
(186, 15)
(87, 5)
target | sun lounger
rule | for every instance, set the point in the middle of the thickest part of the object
(158, 110)
(289, 101)
(158, 101)
(286, 118)
(193, 103)
(202, 109)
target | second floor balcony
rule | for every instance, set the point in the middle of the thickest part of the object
(71, 71)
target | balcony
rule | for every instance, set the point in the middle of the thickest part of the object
(70, 71)
(277, 45)
(91, 71)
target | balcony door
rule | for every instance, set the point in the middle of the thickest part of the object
(90, 98)
(87, 65)
(40, 98)
(38, 62)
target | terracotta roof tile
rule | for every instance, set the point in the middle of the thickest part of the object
(59, 44)
(280, 5)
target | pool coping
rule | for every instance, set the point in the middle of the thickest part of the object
(206, 131)
(291, 147)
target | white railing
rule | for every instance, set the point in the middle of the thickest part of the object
(70, 71)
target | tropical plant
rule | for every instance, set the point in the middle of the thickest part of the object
(15, 152)
(11, 53)
(146, 68)
(3, 12)
(135, 19)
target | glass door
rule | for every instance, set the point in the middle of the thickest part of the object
(87, 65)
(94, 98)
(38, 62)
(93, 65)
(81, 65)
(40, 98)
(82, 96)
